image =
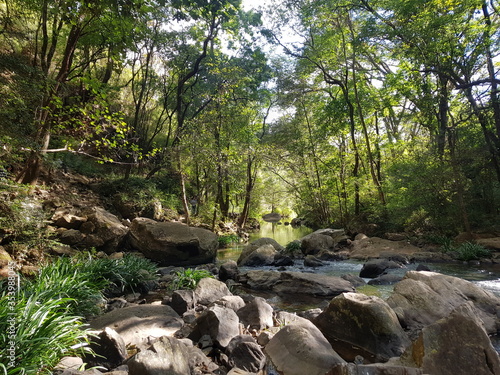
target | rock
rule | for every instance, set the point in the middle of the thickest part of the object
(282, 260)
(220, 323)
(372, 247)
(296, 283)
(138, 325)
(422, 267)
(65, 218)
(71, 237)
(109, 348)
(312, 261)
(373, 369)
(72, 363)
(182, 301)
(387, 279)
(5, 257)
(256, 314)
(229, 270)
(354, 280)
(244, 353)
(262, 256)
(376, 267)
(108, 232)
(171, 243)
(360, 325)
(233, 302)
(250, 248)
(456, 344)
(490, 243)
(168, 355)
(210, 290)
(300, 348)
(422, 298)
(272, 217)
(315, 243)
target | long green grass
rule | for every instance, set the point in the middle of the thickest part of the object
(44, 320)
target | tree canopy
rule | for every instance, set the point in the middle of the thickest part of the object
(345, 112)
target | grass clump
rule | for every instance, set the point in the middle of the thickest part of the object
(227, 239)
(470, 251)
(293, 248)
(189, 278)
(43, 318)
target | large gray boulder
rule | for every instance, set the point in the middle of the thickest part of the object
(360, 325)
(296, 283)
(422, 298)
(244, 353)
(262, 256)
(171, 243)
(138, 325)
(300, 348)
(456, 344)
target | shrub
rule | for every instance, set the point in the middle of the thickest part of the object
(189, 278)
(227, 239)
(293, 248)
(470, 251)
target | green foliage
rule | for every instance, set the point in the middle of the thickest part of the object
(467, 251)
(293, 248)
(227, 239)
(42, 330)
(189, 278)
(48, 309)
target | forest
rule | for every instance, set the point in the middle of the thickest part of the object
(343, 112)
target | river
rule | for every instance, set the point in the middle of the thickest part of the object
(485, 275)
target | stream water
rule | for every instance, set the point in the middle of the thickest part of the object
(485, 275)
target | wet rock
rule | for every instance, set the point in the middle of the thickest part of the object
(312, 261)
(360, 325)
(377, 267)
(387, 279)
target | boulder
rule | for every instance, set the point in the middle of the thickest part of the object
(490, 243)
(182, 301)
(354, 280)
(296, 283)
(137, 325)
(376, 267)
(422, 298)
(220, 323)
(229, 270)
(172, 243)
(109, 348)
(168, 355)
(233, 302)
(210, 290)
(244, 353)
(65, 218)
(300, 348)
(456, 344)
(272, 217)
(251, 247)
(262, 256)
(315, 243)
(312, 261)
(387, 279)
(256, 314)
(101, 230)
(372, 247)
(373, 369)
(360, 325)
